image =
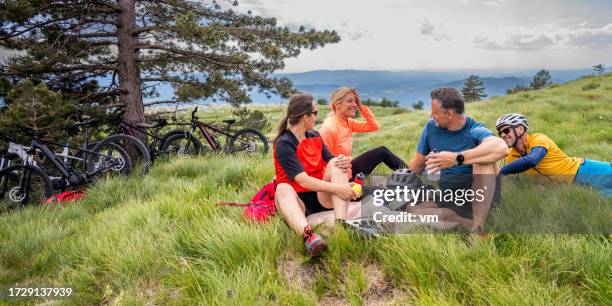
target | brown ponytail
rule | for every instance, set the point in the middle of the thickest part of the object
(299, 105)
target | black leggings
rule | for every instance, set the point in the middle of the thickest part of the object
(366, 162)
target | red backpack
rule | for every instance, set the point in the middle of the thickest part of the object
(65, 197)
(262, 205)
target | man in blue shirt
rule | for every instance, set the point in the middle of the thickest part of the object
(466, 153)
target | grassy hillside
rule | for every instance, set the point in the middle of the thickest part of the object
(162, 239)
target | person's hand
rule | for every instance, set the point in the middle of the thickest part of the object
(345, 192)
(343, 163)
(357, 99)
(435, 162)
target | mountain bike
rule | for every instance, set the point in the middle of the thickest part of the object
(123, 135)
(184, 143)
(29, 181)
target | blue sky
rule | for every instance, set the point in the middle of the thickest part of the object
(448, 35)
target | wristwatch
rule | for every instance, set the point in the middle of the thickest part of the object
(460, 158)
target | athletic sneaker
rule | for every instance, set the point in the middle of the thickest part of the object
(313, 243)
(366, 227)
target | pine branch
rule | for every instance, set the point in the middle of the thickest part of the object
(93, 95)
(191, 54)
(33, 27)
(162, 102)
(145, 29)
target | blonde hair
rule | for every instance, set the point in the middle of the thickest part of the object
(338, 95)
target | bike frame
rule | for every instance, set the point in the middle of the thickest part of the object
(130, 131)
(26, 154)
(203, 127)
(57, 163)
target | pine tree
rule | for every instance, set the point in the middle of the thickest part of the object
(419, 105)
(599, 69)
(200, 48)
(34, 106)
(473, 89)
(541, 80)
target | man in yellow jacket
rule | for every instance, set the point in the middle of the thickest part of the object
(537, 154)
(338, 128)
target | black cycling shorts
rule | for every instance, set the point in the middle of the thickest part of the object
(311, 202)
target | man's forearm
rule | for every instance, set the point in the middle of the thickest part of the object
(489, 151)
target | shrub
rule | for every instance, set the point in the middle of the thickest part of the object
(590, 86)
(418, 105)
(384, 102)
(516, 89)
(399, 110)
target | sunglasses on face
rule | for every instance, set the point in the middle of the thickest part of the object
(316, 113)
(504, 131)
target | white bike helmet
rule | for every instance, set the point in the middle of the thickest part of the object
(512, 119)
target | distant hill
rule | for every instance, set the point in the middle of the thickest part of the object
(404, 86)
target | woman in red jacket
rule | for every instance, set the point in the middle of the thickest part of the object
(310, 180)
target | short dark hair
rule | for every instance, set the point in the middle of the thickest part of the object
(450, 98)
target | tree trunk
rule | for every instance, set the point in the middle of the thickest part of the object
(129, 72)
(130, 93)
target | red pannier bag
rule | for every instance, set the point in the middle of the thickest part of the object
(65, 197)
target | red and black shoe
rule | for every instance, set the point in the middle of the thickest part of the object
(313, 243)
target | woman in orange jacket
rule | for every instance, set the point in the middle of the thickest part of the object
(338, 128)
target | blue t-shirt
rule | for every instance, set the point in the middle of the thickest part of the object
(441, 139)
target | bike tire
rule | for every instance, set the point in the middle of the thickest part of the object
(250, 141)
(138, 151)
(173, 145)
(38, 190)
(111, 152)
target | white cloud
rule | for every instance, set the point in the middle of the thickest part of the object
(493, 3)
(521, 38)
(447, 34)
(435, 32)
(426, 27)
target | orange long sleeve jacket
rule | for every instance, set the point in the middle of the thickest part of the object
(337, 133)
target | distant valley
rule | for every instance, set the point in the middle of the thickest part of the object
(405, 86)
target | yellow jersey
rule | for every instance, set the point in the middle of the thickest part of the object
(555, 164)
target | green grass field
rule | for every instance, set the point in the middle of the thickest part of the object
(163, 239)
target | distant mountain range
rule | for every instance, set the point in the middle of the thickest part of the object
(405, 86)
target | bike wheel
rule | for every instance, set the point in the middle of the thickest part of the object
(250, 141)
(138, 152)
(181, 145)
(108, 160)
(20, 185)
